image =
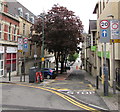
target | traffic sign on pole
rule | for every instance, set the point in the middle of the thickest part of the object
(104, 24)
(104, 31)
(115, 31)
(20, 44)
(25, 44)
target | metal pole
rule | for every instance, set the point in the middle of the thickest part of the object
(42, 48)
(24, 66)
(35, 55)
(105, 73)
(114, 81)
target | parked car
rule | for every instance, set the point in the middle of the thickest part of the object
(49, 73)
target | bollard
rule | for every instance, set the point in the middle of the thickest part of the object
(97, 82)
(9, 76)
(114, 87)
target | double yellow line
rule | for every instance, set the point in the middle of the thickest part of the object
(69, 99)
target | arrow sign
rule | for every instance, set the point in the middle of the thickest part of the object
(104, 33)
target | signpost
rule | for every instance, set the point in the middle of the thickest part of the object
(104, 31)
(115, 38)
(115, 31)
(109, 32)
(20, 44)
(23, 47)
(105, 38)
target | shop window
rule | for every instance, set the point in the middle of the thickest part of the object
(1, 64)
(11, 62)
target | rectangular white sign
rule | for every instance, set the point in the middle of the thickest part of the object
(115, 29)
(11, 50)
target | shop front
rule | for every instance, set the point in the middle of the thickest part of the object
(11, 60)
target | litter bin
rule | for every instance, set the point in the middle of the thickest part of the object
(32, 73)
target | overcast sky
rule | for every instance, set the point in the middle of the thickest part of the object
(82, 8)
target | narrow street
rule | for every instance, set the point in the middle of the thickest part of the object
(74, 93)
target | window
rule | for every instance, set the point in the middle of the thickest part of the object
(1, 64)
(32, 19)
(27, 16)
(20, 12)
(23, 29)
(9, 32)
(0, 6)
(0, 30)
(15, 32)
(11, 62)
(103, 4)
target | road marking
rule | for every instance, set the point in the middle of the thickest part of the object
(73, 101)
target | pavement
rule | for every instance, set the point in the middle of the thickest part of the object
(112, 100)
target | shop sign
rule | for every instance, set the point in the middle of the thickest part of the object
(11, 50)
(1, 49)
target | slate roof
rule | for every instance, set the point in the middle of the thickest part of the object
(13, 9)
(92, 25)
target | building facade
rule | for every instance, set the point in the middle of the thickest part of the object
(104, 11)
(9, 31)
(27, 51)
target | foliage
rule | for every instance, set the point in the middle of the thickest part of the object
(62, 31)
(73, 57)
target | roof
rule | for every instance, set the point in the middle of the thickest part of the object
(13, 9)
(92, 25)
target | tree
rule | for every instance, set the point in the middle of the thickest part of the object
(73, 57)
(62, 32)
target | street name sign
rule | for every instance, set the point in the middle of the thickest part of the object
(104, 31)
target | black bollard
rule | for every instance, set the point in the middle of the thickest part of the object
(114, 87)
(9, 76)
(97, 82)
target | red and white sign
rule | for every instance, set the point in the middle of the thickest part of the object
(20, 43)
(104, 24)
(115, 26)
(25, 40)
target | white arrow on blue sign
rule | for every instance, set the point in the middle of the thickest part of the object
(104, 33)
(25, 47)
